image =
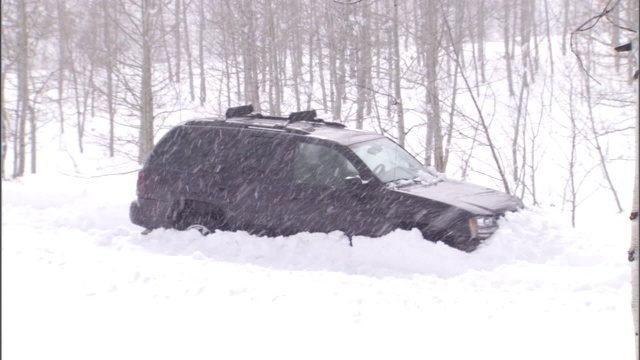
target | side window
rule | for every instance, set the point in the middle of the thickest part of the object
(183, 148)
(260, 157)
(320, 165)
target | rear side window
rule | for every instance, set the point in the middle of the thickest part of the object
(261, 156)
(185, 147)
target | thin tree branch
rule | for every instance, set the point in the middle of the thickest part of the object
(347, 3)
(586, 26)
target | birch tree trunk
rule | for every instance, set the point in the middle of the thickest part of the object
(108, 44)
(177, 38)
(187, 47)
(62, 58)
(396, 76)
(23, 92)
(363, 66)
(203, 77)
(275, 88)
(634, 249)
(5, 124)
(146, 96)
(481, 38)
(507, 55)
(434, 121)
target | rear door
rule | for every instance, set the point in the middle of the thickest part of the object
(257, 170)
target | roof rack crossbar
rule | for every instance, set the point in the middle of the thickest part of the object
(302, 116)
(239, 111)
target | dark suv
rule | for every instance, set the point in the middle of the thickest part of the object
(274, 175)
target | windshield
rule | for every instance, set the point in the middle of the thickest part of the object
(389, 162)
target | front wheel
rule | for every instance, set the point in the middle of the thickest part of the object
(203, 230)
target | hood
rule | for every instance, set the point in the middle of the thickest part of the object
(473, 198)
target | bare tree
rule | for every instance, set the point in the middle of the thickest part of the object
(109, 57)
(203, 76)
(363, 64)
(23, 68)
(434, 121)
(139, 21)
(63, 49)
(397, 75)
(187, 47)
(507, 53)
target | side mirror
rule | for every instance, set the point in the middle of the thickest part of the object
(354, 182)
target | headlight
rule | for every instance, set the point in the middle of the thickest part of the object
(482, 226)
(486, 221)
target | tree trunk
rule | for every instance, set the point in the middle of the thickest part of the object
(433, 99)
(146, 96)
(481, 36)
(363, 67)
(275, 89)
(109, 64)
(507, 56)
(548, 31)
(565, 25)
(251, 83)
(187, 46)
(396, 75)
(77, 97)
(296, 50)
(33, 138)
(519, 121)
(452, 110)
(23, 91)
(167, 53)
(62, 58)
(634, 250)
(203, 78)
(320, 51)
(5, 125)
(572, 161)
(333, 68)
(177, 38)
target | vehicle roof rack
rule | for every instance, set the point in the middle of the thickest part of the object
(239, 111)
(309, 115)
(243, 116)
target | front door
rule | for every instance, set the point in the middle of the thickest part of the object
(321, 199)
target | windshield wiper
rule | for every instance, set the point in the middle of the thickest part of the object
(403, 182)
(433, 181)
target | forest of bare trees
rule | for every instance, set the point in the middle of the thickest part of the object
(474, 88)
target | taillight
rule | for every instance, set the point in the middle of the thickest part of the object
(141, 187)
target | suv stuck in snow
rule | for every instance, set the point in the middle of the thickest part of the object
(273, 175)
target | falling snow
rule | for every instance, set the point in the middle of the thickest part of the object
(80, 281)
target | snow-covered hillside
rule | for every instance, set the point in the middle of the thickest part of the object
(80, 282)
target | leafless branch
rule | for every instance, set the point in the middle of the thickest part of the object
(99, 176)
(620, 26)
(348, 3)
(586, 26)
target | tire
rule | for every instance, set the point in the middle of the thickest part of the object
(203, 230)
(199, 216)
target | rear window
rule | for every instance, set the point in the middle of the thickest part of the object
(184, 147)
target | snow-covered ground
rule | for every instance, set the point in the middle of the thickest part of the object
(79, 281)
